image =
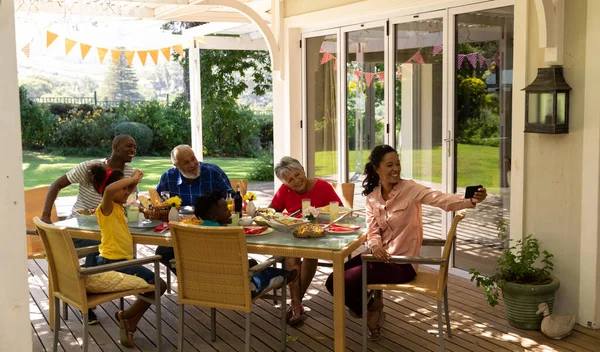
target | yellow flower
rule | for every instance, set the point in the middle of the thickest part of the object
(250, 196)
(173, 201)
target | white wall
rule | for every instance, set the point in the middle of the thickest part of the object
(15, 327)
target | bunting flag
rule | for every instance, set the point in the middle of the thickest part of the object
(101, 53)
(27, 49)
(129, 54)
(369, 78)
(143, 55)
(69, 44)
(496, 59)
(201, 40)
(321, 50)
(472, 57)
(460, 59)
(358, 74)
(418, 58)
(85, 49)
(166, 53)
(154, 55)
(437, 49)
(326, 57)
(178, 48)
(380, 76)
(481, 60)
(116, 55)
(50, 38)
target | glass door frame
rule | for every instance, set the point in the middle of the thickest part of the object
(451, 100)
(344, 85)
(340, 144)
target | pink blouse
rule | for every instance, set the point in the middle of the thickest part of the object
(397, 224)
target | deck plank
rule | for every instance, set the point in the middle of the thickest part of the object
(411, 324)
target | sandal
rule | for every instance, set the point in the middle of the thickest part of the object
(125, 334)
(295, 315)
(375, 333)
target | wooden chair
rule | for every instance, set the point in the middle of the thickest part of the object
(34, 206)
(433, 285)
(243, 185)
(346, 193)
(212, 269)
(67, 280)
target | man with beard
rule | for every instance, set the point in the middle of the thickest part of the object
(123, 151)
(188, 179)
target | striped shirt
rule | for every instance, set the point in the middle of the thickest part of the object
(87, 196)
(211, 178)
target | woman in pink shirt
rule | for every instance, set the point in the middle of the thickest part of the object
(394, 227)
(296, 186)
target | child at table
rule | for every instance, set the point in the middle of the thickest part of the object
(213, 211)
(117, 243)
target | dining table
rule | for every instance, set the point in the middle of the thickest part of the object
(334, 247)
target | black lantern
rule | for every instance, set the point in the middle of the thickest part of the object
(547, 102)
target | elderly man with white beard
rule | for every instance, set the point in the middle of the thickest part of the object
(188, 179)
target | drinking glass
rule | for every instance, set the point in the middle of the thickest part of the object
(305, 204)
(334, 210)
(133, 213)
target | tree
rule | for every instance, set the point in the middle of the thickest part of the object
(120, 82)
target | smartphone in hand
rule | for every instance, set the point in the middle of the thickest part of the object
(470, 191)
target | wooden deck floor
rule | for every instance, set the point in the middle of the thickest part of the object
(410, 326)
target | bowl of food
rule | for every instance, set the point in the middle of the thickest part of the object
(265, 212)
(246, 221)
(88, 214)
(325, 214)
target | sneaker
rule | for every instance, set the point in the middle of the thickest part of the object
(92, 318)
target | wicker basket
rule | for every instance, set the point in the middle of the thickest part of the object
(161, 214)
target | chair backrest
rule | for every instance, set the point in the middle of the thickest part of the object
(243, 185)
(212, 266)
(34, 205)
(62, 263)
(443, 273)
(346, 193)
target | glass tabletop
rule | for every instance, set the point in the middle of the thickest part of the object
(279, 237)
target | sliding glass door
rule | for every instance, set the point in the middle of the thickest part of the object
(321, 105)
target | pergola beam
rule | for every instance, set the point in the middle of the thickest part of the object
(231, 43)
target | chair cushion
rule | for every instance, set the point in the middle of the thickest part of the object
(113, 281)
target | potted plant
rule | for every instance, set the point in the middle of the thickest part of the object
(525, 281)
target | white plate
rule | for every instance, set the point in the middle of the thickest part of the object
(351, 229)
(144, 224)
(342, 211)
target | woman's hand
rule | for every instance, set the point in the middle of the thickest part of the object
(380, 254)
(479, 196)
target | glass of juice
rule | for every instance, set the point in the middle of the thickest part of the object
(133, 213)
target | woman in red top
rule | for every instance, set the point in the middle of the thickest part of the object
(296, 186)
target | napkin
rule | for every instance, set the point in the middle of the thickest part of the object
(254, 231)
(162, 227)
(337, 228)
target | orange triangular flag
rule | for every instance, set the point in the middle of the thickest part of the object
(167, 53)
(129, 56)
(201, 40)
(85, 49)
(69, 44)
(50, 38)
(154, 55)
(178, 48)
(116, 54)
(101, 53)
(27, 49)
(142, 55)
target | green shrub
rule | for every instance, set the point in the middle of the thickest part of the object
(37, 123)
(265, 128)
(140, 132)
(263, 168)
(85, 133)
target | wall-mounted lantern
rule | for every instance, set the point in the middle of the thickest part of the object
(547, 102)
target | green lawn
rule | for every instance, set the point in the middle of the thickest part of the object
(42, 169)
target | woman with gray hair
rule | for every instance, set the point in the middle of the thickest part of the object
(296, 186)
